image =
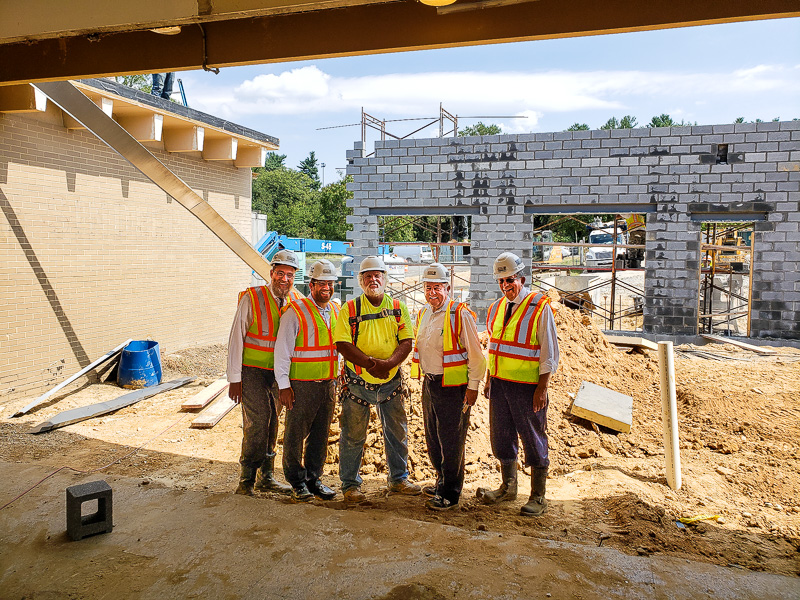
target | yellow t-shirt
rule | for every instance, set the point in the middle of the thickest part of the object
(377, 338)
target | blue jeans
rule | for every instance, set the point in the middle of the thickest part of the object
(354, 421)
(162, 86)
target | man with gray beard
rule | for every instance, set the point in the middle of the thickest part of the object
(374, 334)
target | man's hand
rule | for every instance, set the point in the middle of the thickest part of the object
(469, 398)
(286, 398)
(235, 392)
(487, 387)
(539, 398)
(380, 370)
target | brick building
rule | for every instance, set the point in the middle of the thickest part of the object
(680, 177)
(92, 252)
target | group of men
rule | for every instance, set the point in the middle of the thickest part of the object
(284, 352)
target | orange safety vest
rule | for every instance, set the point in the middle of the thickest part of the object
(259, 342)
(454, 356)
(315, 357)
(514, 347)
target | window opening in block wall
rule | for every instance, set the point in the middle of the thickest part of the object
(596, 264)
(726, 271)
(410, 243)
(722, 154)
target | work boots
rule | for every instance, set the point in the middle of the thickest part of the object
(507, 490)
(247, 478)
(537, 504)
(265, 482)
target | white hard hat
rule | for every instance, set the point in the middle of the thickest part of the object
(507, 264)
(286, 257)
(436, 273)
(372, 263)
(323, 270)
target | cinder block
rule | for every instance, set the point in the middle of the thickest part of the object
(79, 527)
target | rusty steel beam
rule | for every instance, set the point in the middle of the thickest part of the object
(366, 29)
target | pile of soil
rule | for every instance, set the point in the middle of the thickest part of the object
(739, 433)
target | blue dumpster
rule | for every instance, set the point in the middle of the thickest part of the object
(139, 365)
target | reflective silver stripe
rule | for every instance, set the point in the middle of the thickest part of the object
(525, 321)
(254, 341)
(453, 358)
(262, 303)
(493, 311)
(313, 338)
(524, 352)
(313, 353)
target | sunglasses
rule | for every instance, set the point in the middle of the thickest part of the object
(507, 280)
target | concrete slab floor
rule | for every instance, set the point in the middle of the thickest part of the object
(170, 543)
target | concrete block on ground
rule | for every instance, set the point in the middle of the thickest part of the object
(78, 526)
(604, 407)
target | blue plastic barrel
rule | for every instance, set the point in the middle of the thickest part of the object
(139, 365)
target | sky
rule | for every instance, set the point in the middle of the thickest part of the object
(708, 75)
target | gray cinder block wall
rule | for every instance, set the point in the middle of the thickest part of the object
(679, 176)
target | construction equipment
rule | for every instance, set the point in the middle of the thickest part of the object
(271, 243)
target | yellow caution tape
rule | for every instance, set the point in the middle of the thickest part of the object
(688, 520)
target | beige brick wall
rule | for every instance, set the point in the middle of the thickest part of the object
(93, 253)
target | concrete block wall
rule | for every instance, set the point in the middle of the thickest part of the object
(679, 176)
(93, 253)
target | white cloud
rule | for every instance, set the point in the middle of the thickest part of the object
(309, 90)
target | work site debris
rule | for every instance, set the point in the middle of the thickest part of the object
(604, 407)
(82, 413)
(726, 340)
(206, 395)
(213, 414)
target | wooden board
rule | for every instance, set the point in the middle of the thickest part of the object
(604, 407)
(726, 340)
(624, 340)
(206, 395)
(213, 414)
(68, 417)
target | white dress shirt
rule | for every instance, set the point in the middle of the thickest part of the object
(430, 344)
(287, 335)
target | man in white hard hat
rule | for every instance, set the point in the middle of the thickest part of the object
(251, 348)
(449, 354)
(373, 334)
(523, 352)
(306, 367)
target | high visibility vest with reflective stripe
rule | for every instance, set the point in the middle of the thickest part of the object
(315, 355)
(514, 347)
(351, 309)
(259, 343)
(454, 358)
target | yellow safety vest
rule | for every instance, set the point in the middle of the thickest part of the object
(315, 357)
(514, 347)
(454, 358)
(259, 343)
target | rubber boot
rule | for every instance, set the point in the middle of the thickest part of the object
(507, 490)
(247, 478)
(537, 504)
(265, 482)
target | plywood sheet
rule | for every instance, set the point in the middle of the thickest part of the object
(604, 407)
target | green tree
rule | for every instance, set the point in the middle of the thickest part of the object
(480, 128)
(663, 120)
(626, 122)
(309, 167)
(275, 161)
(739, 120)
(138, 82)
(578, 127)
(288, 199)
(396, 229)
(333, 210)
(612, 123)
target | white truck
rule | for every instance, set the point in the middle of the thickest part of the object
(601, 240)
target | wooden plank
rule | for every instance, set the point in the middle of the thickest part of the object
(107, 356)
(213, 414)
(604, 407)
(206, 395)
(624, 340)
(738, 344)
(68, 417)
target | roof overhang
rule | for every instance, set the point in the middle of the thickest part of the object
(154, 122)
(43, 40)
